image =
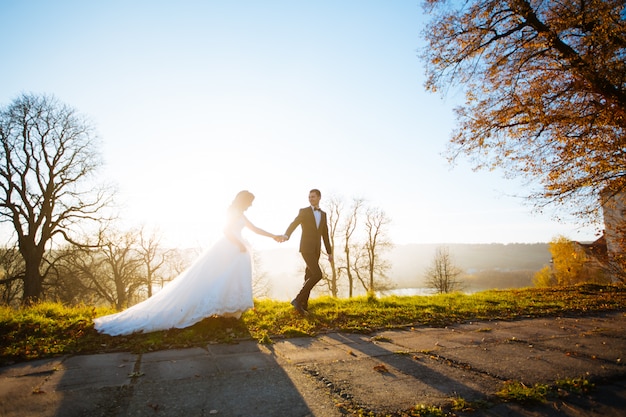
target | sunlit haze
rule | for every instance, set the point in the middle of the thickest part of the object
(196, 100)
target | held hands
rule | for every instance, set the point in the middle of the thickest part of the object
(281, 238)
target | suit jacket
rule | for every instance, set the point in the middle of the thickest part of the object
(310, 241)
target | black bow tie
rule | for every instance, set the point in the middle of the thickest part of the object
(317, 209)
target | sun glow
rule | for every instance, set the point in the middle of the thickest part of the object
(258, 98)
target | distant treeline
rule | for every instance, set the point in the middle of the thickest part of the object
(485, 266)
(493, 265)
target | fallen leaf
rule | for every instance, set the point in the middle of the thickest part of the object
(381, 368)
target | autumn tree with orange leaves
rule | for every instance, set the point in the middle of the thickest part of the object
(545, 87)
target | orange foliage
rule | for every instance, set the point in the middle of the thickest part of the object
(546, 90)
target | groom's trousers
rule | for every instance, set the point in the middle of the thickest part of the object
(312, 275)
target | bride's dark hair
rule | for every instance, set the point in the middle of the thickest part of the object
(242, 201)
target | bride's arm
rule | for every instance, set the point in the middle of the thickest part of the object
(258, 230)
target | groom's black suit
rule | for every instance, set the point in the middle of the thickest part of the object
(310, 248)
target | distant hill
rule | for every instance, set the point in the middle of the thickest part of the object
(493, 265)
(412, 258)
(487, 266)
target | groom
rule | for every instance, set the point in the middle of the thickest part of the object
(314, 229)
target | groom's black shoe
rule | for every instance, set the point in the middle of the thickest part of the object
(298, 307)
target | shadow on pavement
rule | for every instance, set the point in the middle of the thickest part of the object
(387, 378)
(226, 380)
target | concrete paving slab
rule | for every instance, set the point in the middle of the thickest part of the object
(530, 330)
(92, 403)
(104, 370)
(506, 330)
(534, 328)
(303, 350)
(255, 393)
(395, 381)
(20, 388)
(598, 346)
(317, 395)
(245, 346)
(388, 372)
(344, 339)
(570, 325)
(33, 371)
(173, 365)
(32, 368)
(420, 340)
(245, 362)
(370, 346)
(174, 355)
(60, 387)
(608, 321)
(527, 363)
(460, 339)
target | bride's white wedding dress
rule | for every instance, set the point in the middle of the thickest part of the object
(219, 282)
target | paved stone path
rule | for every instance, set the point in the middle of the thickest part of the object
(337, 374)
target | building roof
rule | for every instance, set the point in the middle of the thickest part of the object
(596, 249)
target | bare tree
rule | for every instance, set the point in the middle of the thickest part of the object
(124, 266)
(348, 228)
(443, 275)
(82, 268)
(326, 285)
(360, 232)
(360, 264)
(376, 242)
(11, 274)
(113, 270)
(153, 257)
(177, 261)
(261, 285)
(47, 155)
(64, 282)
(335, 209)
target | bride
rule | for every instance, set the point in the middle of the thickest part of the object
(219, 282)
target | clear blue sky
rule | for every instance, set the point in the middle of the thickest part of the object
(196, 100)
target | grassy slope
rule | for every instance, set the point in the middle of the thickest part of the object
(50, 329)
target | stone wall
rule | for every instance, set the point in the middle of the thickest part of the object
(614, 211)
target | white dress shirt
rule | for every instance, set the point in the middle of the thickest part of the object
(318, 216)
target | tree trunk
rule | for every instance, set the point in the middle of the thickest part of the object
(121, 295)
(33, 281)
(333, 283)
(348, 269)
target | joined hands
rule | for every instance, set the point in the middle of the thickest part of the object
(281, 238)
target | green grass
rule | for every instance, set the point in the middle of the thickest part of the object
(539, 393)
(50, 329)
